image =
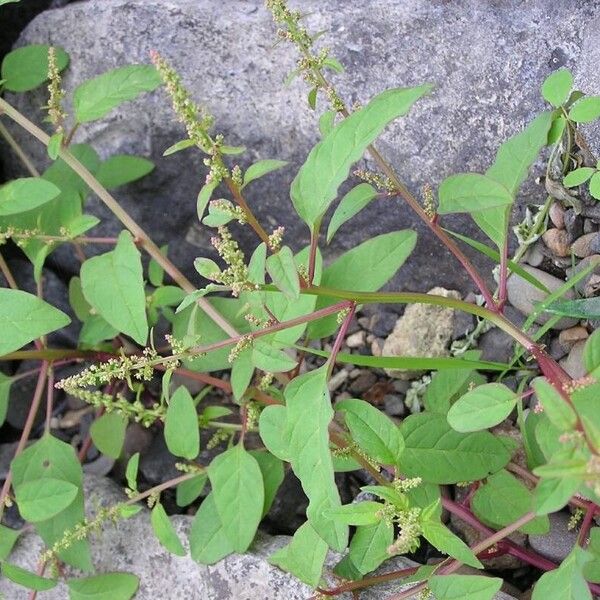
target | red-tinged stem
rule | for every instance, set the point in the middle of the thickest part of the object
(49, 398)
(312, 256)
(35, 404)
(7, 274)
(366, 582)
(502, 285)
(340, 339)
(250, 218)
(586, 525)
(318, 314)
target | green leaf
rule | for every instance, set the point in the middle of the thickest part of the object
(164, 530)
(445, 386)
(357, 513)
(457, 587)
(108, 586)
(95, 98)
(328, 163)
(326, 122)
(557, 129)
(181, 145)
(438, 454)
(238, 490)
(585, 110)
(270, 359)
(182, 434)
(578, 176)
(55, 144)
(365, 268)
(27, 193)
(504, 499)
(27, 578)
(409, 362)
(241, 373)
(282, 269)
(25, 68)
(445, 541)
(566, 582)
(207, 268)
(312, 98)
(516, 155)
(368, 548)
(373, 431)
(208, 540)
(591, 352)
(113, 284)
(42, 499)
(351, 204)
(583, 308)
(96, 330)
(108, 433)
(5, 383)
(469, 192)
(53, 459)
(304, 556)
(557, 409)
(595, 186)
(481, 408)
(204, 196)
(272, 427)
(234, 150)
(557, 87)
(25, 317)
(131, 471)
(260, 168)
(188, 491)
(591, 570)
(273, 473)
(309, 413)
(155, 272)
(121, 169)
(551, 495)
(8, 538)
(2, 2)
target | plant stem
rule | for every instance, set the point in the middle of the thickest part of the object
(35, 404)
(502, 290)
(4, 268)
(586, 525)
(18, 151)
(49, 398)
(340, 339)
(137, 232)
(252, 221)
(367, 582)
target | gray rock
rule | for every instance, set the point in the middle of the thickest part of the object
(132, 547)
(423, 330)
(382, 323)
(394, 405)
(7, 453)
(558, 542)
(573, 363)
(486, 60)
(524, 296)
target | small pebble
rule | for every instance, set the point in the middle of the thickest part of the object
(535, 255)
(569, 337)
(338, 380)
(382, 324)
(354, 373)
(377, 346)
(589, 226)
(582, 247)
(573, 224)
(356, 340)
(557, 215)
(573, 363)
(394, 405)
(557, 241)
(363, 382)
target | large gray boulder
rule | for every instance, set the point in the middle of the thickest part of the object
(132, 547)
(487, 61)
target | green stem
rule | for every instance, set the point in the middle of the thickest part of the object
(120, 213)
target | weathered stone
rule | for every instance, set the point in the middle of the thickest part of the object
(356, 340)
(423, 330)
(558, 542)
(573, 363)
(583, 285)
(487, 88)
(363, 382)
(382, 323)
(535, 254)
(557, 241)
(569, 337)
(393, 405)
(583, 246)
(573, 224)
(557, 215)
(524, 295)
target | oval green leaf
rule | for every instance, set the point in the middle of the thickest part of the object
(25, 68)
(182, 433)
(108, 586)
(27, 193)
(41, 499)
(164, 530)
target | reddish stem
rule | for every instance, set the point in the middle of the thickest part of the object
(35, 404)
(340, 338)
(586, 525)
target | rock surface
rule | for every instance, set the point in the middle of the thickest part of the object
(132, 547)
(524, 295)
(558, 542)
(423, 330)
(487, 62)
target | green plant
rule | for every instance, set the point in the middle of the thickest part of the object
(277, 298)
